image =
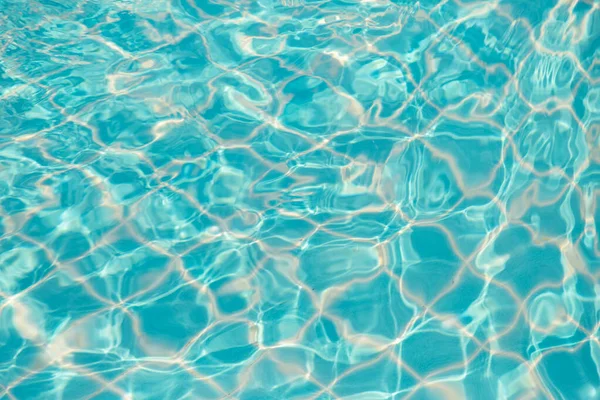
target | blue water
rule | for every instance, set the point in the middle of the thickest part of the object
(299, 199)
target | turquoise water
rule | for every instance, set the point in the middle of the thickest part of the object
(299, 199)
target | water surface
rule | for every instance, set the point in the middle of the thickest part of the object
(299, 199)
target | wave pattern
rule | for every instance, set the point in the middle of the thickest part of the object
(311, 199)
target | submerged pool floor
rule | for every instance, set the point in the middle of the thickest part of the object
(299, 199)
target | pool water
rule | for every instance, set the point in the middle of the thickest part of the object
(299, 199)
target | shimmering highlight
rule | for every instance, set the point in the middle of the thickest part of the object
(299, 199)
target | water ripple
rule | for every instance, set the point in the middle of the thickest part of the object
(311, 199)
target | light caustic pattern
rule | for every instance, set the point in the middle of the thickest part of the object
(299, 199)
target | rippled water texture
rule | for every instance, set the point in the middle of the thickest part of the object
(299, 199)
